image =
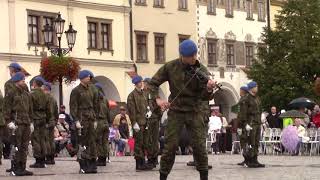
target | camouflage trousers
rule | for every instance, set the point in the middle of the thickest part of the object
(153, 142)
(254, 140)
(50, 142)
(88, 139)
(141, 144)
(195, 125)
(22, 139)
(102, 134)
(2, 129)
(39, 141)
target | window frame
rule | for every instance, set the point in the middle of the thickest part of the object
(183, 5)
(212, 7)
(249, 57)
(41, 15)
(157, 60)
(142, 33)
(215, 61)
(249, 10)
(233, 60)
(140, 2)
(99, 34)
(90, 33)
(229, 8)
(182, 37)
(160, 5)
(261, 5)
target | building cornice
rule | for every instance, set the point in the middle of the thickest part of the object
(86, 5)
(83, 61)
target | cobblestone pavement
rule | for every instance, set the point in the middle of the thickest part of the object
(224, 167)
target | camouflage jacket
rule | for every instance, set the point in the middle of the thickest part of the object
(54, 109)
(18, 106)
(137, 106)
(250, 111)
(103, 110)
(2, 123)
(84, 101)
(156, 110)
(188, 98)
(9, 86)
(42, 110)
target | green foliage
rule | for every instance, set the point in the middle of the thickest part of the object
(287, 66)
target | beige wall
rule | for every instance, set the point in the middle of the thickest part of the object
(167, 20)
(275, 7)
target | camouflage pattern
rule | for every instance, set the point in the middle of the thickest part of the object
(137, 106)
(42, 115)
(18, 108)
(102, 131)
(185, 110)
(250, 113)
(2, 124)
(243, 136)
(83, 108)
(51, 124)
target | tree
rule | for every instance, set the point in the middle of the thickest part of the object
(288, 64)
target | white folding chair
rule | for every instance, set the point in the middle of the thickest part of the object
(314, 141)
(266, 139)
(211, 138)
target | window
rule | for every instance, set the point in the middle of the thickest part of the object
(211, 7)
(261, 11)
(183, 4)
(229, 8)
(249, 10)
(106, 36)
(158, 3)
(33, 29)
(249, 55)
(220, 2)
(230, 54)
(99, 34)
(36, 21)
(92, 35)
(159, 43)
(183, 37)
(141, 2)
(142, 46)
(238, 4)
(212, 52)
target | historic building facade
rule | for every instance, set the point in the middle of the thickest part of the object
(275, 7)
(229, 34)
(158, 28)
(102, 44)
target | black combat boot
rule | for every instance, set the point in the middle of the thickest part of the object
(163, 176)
(256, 162)
(142, 166)
(94, 165)
(50, 160)
(17, 171)
(102, 161)
(203, 175)
(152, 162)
(83, 166)
(25, 172)
(37, 164)
(243, 162)
(12, 166)
(191, 163)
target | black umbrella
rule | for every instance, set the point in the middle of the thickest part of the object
(292, 114)
(302, 103)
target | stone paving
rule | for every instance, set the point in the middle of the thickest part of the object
(224, 167)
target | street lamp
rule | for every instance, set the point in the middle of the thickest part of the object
(57, 28)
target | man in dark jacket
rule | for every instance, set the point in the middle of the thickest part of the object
(273, 119)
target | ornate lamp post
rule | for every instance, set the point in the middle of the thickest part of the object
(57, 28)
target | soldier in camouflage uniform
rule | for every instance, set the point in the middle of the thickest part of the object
(51, 124)
(2, 125)
(137, 104)
(8, 86)
(42, 118)
(17, 114)
(84, 101)
(188, 90)
(102, 131)
(153, 126)
(250, 121)
(243, 138)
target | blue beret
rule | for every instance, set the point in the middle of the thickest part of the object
(15, 66)
(136, 79)
(39, 78)
(188, 48)
(252, 84)
(147, 80)
(244, 88)
(48, 85)
(19, 76)
(98, 85)
(85, 73)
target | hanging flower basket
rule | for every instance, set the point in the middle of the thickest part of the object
(53, 68)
